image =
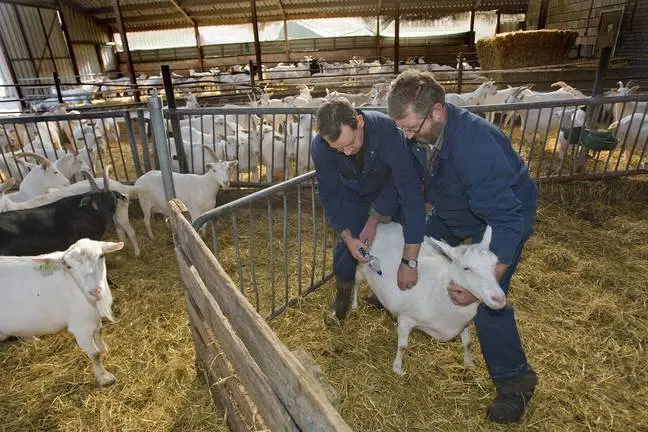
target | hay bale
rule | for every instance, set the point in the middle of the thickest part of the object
(525, 49)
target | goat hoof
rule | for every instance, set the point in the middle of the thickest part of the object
(105, 379)
(398, 370)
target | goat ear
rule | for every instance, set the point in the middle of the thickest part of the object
(108, 247)
(443, 247)
(486, 239)
(84, 202)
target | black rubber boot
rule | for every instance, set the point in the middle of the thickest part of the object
(513, 396)
(344, 291)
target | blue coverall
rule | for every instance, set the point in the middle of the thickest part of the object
(388, 182)
(478, 179)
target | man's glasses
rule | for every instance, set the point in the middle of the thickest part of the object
(418, 129)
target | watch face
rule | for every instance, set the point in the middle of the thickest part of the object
(409, 263)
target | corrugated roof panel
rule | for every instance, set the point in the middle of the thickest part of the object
(56, 39)
(82, 28)
(11, 33)
(87, 61)
(65, 71)
(32, 28)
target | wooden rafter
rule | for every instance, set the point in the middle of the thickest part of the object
(183, 12)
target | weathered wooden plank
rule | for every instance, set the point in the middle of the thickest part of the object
(295, 386)
(271, 408)
(210, 359)
(221, 368)
(219, 394)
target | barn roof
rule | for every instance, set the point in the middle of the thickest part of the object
(162, 14)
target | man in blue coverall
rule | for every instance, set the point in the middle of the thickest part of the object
(364, 176)
(473, 177)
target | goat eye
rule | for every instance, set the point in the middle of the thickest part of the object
(101, 256)
(466, 268)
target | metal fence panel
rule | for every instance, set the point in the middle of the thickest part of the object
(275, 243)
(545, 134)
(100, 138)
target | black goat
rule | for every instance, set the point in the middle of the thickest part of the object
(56, 226)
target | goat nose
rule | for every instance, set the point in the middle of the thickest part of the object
(499, 299)
(96, 292)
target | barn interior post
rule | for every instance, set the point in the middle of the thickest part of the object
(498, 24)
(201, 59)
(378, 28)
(68, 43)
(396, 36)
(542, 17)
(129, 59)
(257, 45)
(472, 30)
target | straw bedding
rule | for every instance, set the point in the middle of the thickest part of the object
(580, 297)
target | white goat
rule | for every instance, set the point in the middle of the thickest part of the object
(197, 192)
(39, 180)
(475, 97)
(198, 156)
(427, 306)
(69, 290)
(632, 132)
(624, 109)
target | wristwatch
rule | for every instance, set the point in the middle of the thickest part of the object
(411, 263)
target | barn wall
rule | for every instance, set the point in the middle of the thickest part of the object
(633, 39)
(36, 47)
(438, 49)
(583, 16)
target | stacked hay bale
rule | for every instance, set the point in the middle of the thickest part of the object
(525, 49)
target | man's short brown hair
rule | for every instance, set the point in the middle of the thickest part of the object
(334, 113)
(414, 90)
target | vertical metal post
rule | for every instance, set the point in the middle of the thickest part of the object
(257, 45)
(133, 144)
(250, 65)
(460, 59)
(141, 122)
(57, 85)
(472, 30)
(286, 40)
(498, 24)
(601, 71)
(159, 137)
(396, 36)
(201, 60)
(68, 43)
(378, 29)
(99, 59)
(175, 123)
(12, 71)
(544, 11)
(597, 91)
(129, 58)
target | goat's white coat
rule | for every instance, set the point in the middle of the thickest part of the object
(67, 289)
(197, 192)
(427, 306)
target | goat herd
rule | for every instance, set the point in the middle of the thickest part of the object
(52, 267)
